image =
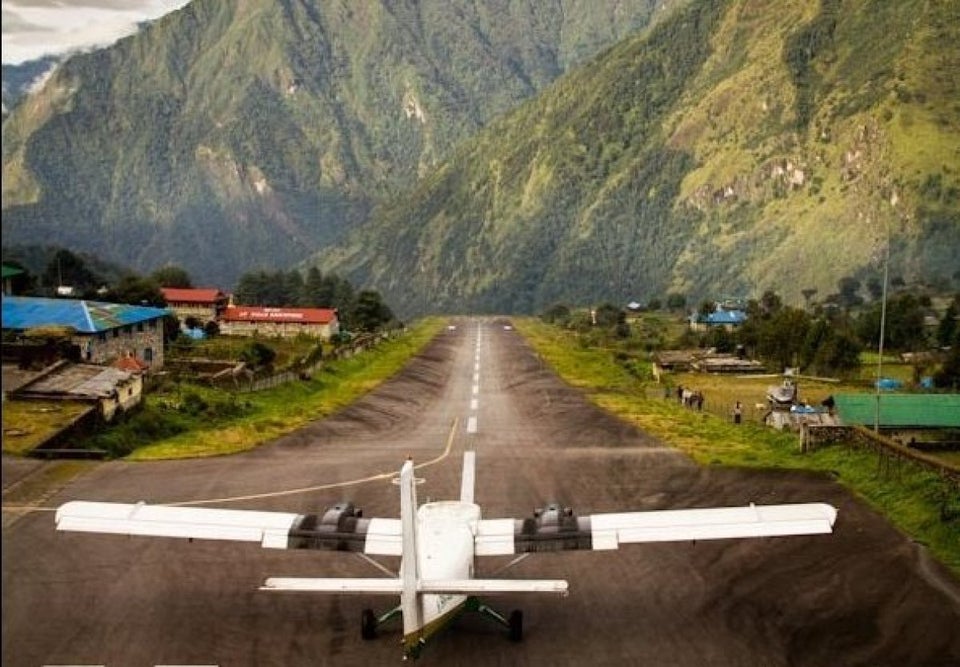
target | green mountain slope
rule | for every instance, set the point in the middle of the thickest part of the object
(740, 146)
(235, 134)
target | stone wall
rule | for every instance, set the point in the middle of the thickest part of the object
(131, 339)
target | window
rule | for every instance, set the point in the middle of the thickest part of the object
(148, 354)
(139, 327)
(116, 333)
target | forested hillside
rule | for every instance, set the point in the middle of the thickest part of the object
(740, 146)
(233, 134)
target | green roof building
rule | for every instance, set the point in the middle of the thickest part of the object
(900, 411)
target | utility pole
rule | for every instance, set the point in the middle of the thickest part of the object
(883, 320)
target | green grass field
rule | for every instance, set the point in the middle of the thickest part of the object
(187, 421)
(913, 499)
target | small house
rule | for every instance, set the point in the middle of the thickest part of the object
(204, 304)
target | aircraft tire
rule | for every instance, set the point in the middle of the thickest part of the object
(368, 624)
(516, 625)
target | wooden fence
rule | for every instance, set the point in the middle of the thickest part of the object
(891, 455)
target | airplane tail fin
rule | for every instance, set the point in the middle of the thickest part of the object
(469, 476)
(408, 562)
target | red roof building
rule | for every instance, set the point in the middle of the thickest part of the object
(264, 321)
(205, 304)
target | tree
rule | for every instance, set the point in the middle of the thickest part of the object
(558, 314)
(171, 328)
(721, 339)
(136, 290)
(781, 337)
(948, 328)
(370, 313)
(903, 328)
(257, 355)
(172, 276)
(676, 301)
(848, 296)
(830, 349)
(68, 269)
(313, 292)
(608, 315)
(948, 377)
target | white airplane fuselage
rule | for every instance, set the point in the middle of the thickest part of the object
(446, 533)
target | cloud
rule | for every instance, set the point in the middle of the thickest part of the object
(37, 28)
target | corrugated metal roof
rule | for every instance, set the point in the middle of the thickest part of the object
(900, 410)
(10, 271)
(27, 312)
(81, 380)
(192, 295)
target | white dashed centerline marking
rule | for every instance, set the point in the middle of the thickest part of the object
(472, 425)
(474, 403)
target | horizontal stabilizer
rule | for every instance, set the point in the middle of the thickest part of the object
(490, 586)
(340, 585)
(270, 529)
(436, 587)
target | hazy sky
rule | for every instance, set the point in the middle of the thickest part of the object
(35, 28)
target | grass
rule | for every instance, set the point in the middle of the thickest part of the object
(910, 497)
(230, 424)
(28, 424)
(229, 348)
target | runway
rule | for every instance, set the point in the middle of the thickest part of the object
(862, 596)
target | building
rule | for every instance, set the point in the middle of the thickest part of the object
(104, 332)
(110, 389)
(9, 273)
(205, 305)
(721, 317)
(284, 322)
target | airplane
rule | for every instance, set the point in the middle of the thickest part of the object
(438, 543)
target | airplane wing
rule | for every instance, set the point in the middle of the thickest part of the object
(556, 528)
(341, 528)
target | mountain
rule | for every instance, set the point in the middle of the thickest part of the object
(738, 146)
(19, 80)
(237, 134)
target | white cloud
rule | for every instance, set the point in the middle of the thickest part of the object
(36, 28)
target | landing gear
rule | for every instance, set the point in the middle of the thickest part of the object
(513, 624)
(369, 621)
(516, 625)
(368, 624)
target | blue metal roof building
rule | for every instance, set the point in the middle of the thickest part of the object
(720, 317)
(26, 312)
(104, 332)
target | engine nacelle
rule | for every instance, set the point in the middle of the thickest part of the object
(552, 528)
(341, 528)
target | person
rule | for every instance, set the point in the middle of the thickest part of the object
(679, 393)
(737, 412)
(699, 399)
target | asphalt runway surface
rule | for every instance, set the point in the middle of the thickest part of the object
(865, 595)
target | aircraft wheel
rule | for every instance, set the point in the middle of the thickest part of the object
(516, 625)
(368, 624)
